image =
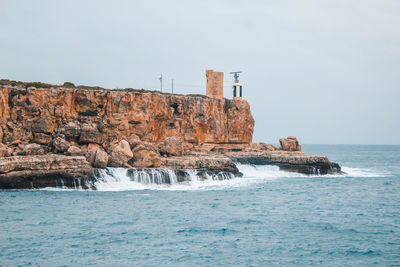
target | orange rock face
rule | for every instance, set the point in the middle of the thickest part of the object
(290, 144)
(85, 116)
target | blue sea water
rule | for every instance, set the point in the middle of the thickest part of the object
(266, 218)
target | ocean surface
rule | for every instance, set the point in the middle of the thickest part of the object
(267, 218)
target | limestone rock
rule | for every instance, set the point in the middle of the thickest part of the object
(42, 138)
(120, 154)
(134, 140)
(89, 134)
(97, 156)
(32, 149)
(259, 147)
(75, 151)
(201, 161)
(5, 151)
(145, 156)
(100, 159)
(60, 144)
(42, 162)
(172, 146)
(41, 125)
(51, 170)
(37, 113)
(290, 144)
(71, 130)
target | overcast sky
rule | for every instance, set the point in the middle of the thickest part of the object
(326, 71)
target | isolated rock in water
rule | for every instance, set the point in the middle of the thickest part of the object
(290, 144)
(134, 140)
(60, 144)
(75, 151)
(145, 156)
(5, 151)
(172, 147)
(89, 134)
(120, 154)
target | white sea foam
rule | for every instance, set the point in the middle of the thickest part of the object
(117, 179)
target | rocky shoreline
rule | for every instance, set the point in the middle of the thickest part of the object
(64, 137)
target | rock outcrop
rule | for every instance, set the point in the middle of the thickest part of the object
(99, 115)
(120, 154)
(59, 136)
(49, 170)
(290, 144)
(172, 146)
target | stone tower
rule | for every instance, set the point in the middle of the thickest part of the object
(215, 84)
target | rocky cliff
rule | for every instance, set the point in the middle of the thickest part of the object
(63, 135)
(99, 116)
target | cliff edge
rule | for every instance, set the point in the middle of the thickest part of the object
(48, 132)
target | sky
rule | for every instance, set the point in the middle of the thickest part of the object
(326, 71)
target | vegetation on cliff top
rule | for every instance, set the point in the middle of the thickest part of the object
(6, 82)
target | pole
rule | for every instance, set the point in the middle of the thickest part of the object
(160, 78)
(172, 85)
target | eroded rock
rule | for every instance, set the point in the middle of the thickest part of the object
(290, 144)
(75, 151)
(172, 146)
(5, 151)
(97, 156)
(89, 134)
(120, 154)
(60, 144)
(134, 140)
(145, 156)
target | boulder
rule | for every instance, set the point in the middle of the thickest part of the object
(146, 159)
(120, 154)
(42, 138)
(71, 130)
(75, 151)
(97, 156)
(172, 146)
(100, 159)
(89, 134)
(32, 149)
(5, 151)
(134, 140)
(290, 144)
(144, 156)
(41, 125)
(60, 144)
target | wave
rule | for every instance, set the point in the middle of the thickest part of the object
(122, 179)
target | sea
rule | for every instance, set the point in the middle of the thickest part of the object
(267, 217)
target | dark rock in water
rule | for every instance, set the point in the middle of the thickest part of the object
(26, 172)
(292, 161)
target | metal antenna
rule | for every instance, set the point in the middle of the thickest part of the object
(160, 78)
(235, 75)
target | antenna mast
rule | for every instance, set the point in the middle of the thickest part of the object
(236, 75)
